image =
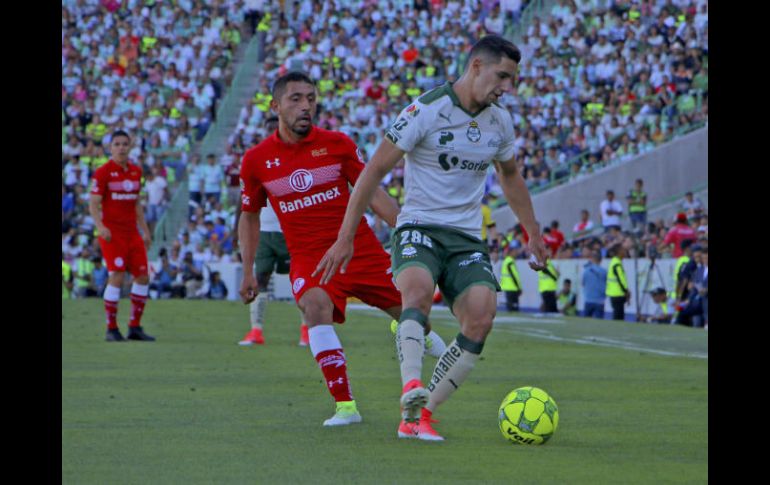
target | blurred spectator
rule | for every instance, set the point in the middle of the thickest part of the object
(617, 284)
(566, 300)
(66, 279)
(157, 197)
(510, 281)
(637, 206)
(692, 206)
(212, 179)
(190, 277)
(195, 180)
(161, 285)
(611, 210)
(594, 287)
(547, 286)
(99, 276)
(664, 307)
(233, 181)
(690, 303)
(677, 235)
(582, 227)
(217, 289)
(75, 173)
(83, 274)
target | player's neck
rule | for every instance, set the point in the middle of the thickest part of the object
(288, 136)
(123, 163)
(462, 89)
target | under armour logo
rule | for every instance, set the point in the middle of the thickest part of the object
(335, 381)
(271, 163)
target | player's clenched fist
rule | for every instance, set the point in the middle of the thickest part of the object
(249, 290)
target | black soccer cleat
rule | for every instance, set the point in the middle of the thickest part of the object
(114, 335)
(136, 333)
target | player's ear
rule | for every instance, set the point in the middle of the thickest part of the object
(274, 106)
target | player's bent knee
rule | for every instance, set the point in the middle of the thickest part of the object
(478, 329)
(317, 307)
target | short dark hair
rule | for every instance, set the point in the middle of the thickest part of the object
(279, 86)
(118, 133)
(567, 280)
(493, 47)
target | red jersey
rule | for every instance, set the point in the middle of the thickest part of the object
(119, 189)
(307, 184)
(677, 234)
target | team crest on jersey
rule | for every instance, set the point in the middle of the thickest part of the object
(119, 262)
(474, 133)
(301, 180)
(412, 110)
(128, 185)
(409, 251)
(298, 284)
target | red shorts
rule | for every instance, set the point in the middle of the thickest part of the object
(125, 252)
(368, 277)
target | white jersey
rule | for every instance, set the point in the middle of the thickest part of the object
(448, 153)
(268, 221)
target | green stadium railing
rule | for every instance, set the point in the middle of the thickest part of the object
(535, 8)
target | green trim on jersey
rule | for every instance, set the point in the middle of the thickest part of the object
(456, 101)
(434, 95)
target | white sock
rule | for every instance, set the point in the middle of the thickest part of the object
(323, 338)
(410, 344)
(452, 368)
(141, 290)
(257, 310)
(112, 293)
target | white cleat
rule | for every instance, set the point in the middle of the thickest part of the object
(412, 402)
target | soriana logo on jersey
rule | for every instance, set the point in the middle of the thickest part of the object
(301, 180)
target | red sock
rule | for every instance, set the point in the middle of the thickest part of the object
(137, 308)
(111, 309)
(332, 364)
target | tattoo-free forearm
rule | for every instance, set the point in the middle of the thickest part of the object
(248, 237)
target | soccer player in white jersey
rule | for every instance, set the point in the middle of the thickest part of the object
(449, 137)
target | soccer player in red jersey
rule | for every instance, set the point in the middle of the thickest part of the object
(116, 209)
(305, 172)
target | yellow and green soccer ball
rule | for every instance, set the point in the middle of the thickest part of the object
(528, 416)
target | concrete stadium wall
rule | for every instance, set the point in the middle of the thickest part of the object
(671, 169)
(636, 275)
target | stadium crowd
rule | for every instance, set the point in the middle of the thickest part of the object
(600, 82)
(153, 69)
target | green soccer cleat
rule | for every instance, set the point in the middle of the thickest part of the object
(346, 413)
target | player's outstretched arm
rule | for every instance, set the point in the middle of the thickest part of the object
(95, 209)
(517, 194)
(339, 255)
(248, 240)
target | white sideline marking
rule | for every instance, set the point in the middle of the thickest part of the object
(547, 334)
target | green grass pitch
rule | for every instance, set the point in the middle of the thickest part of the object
(194, 407)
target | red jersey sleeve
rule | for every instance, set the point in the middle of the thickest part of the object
(352, 160)
(99, 183)
(253, 194)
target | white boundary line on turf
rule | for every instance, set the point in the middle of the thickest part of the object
(546, 334)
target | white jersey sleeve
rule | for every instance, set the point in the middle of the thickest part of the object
(406, 132)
